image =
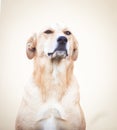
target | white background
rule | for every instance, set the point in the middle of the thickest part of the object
(94, 22)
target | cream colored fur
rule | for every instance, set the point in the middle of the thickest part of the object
(51, 98)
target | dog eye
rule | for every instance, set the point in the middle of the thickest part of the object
(48, 31)
(67, 32)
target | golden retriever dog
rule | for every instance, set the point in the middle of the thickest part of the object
(51, 98)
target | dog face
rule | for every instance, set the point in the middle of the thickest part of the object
(56, 42)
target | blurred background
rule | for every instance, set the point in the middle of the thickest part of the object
(94, 22)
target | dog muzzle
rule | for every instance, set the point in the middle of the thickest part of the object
(60, 51)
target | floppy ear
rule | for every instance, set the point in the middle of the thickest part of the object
(75, 50)
(31, 46)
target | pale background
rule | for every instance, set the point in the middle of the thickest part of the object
(95, 24)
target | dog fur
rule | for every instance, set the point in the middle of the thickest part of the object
(51, 98)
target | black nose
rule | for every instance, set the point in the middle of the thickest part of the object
(62, 40)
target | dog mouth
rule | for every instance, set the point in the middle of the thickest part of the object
(58, 54)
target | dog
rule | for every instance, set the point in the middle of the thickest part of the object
(51, 98)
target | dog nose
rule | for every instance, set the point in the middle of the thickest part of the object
(62, 40)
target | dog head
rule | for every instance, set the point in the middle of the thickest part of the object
(56, 42)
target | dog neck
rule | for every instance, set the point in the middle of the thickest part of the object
(53, 78)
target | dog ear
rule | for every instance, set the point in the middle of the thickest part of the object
(75, 50)
(31, 46)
